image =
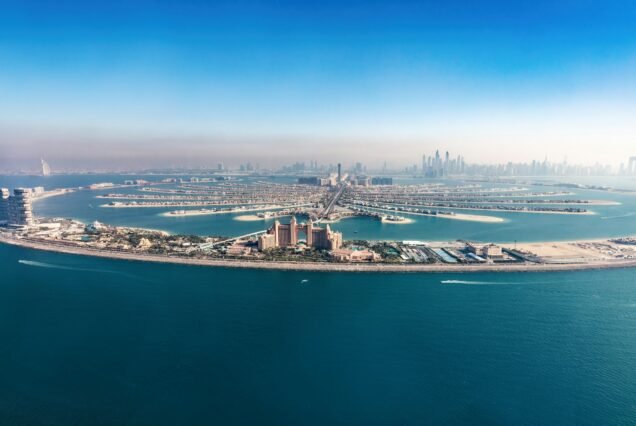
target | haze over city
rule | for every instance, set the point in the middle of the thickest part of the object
(153, 84)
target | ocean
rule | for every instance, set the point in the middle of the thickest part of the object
(102, 342)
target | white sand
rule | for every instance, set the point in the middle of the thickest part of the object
(456, 216)
(406, 221)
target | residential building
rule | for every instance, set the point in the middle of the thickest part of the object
(16, 209)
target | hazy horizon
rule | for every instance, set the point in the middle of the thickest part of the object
(160, 85)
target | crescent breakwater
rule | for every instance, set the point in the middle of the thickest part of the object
(313, 266)
(96, 239)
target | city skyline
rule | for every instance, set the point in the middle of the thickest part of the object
(438, 165)
(109, 84)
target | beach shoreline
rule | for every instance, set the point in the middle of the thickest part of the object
(255, 218)
(456, 216)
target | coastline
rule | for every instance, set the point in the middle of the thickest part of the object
(317, 266)
(255, 218)
(405, 221)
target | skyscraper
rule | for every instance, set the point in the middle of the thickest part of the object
(4, 206)
(46, 169)
(16, 210)
(631, 168)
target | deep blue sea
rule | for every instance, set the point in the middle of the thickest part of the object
(88, 341)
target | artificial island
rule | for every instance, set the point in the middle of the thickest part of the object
(300, 216)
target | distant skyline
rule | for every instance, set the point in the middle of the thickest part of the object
(159, 84)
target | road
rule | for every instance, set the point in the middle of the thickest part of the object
(327, 211)
(206, 246)
(323, 214)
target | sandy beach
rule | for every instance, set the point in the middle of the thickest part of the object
(53, 193)
(405, 221)
(255, 218)
(325, 221)
(456, 216)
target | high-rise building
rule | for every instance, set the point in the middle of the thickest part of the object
(436, 166)
(46, 169)
(4, 206)
(16, 209)
(631, 167)
(339, 172)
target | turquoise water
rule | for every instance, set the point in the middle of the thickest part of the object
(609, 221)
(102, 342)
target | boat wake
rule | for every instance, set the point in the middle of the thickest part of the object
(62, 267)
(463, 282)
(45, 265)
(619, 216)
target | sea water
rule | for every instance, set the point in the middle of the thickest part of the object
(99, 341)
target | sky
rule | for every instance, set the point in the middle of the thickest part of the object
(157, 83)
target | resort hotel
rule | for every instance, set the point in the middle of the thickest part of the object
(280, 235)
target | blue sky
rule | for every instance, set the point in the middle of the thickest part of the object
(555, 78)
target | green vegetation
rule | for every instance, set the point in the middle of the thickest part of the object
(291, 255)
